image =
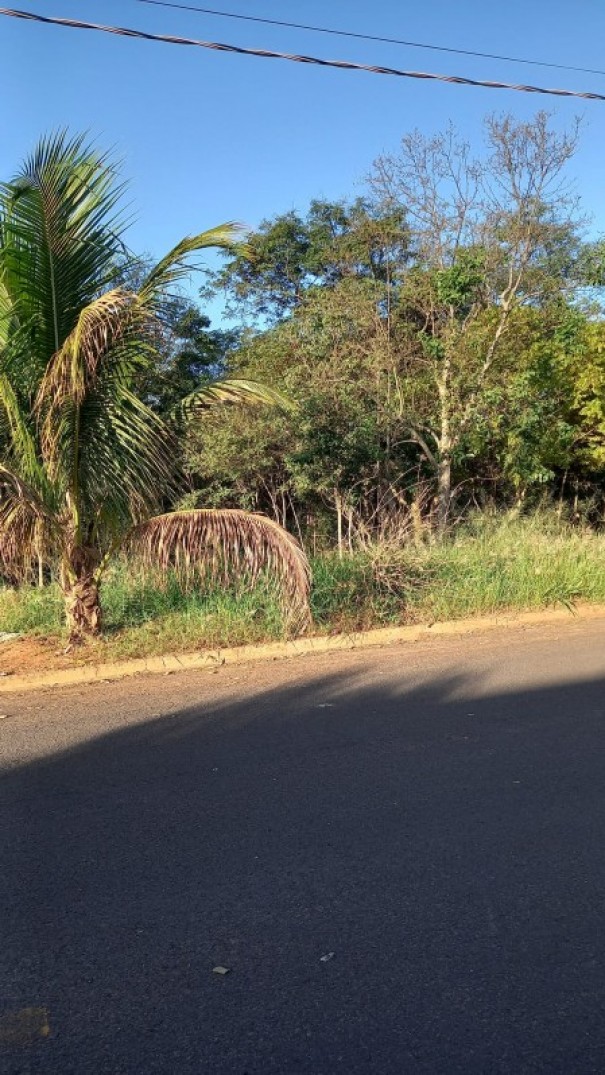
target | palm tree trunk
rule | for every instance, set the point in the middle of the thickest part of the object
(82, 603)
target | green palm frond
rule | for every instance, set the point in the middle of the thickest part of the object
(219, 544)
(71, 376)
(176, 265)
(116, 456)
(19, 435)
(59, 238)
(128, 463)
(6, 313)
(100, 327)
(232, 390)
(73, 369)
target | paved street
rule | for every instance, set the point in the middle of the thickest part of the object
(430, 818)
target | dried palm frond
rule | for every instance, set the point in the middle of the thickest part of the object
(220, 544)
(100, 327)
(14, 491)
(25, 525)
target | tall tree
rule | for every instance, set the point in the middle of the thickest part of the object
(487, 236)
(288, 256)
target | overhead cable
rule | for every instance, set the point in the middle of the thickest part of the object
(345, 65)
(366, 37)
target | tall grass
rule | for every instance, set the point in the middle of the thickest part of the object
(489, 564)
(498, 562)
(31, 610)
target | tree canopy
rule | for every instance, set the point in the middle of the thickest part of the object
(441, 331)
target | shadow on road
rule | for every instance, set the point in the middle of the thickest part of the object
(446, 848)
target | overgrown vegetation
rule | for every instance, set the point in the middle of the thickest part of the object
(492, 563)
(433, 354)
(444, 332)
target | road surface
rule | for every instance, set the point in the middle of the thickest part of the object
(398, 855)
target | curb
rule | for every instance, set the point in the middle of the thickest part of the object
(273, 651)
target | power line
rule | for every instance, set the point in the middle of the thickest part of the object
(366, 37)
(345, 65)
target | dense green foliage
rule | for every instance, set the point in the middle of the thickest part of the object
(441, 336)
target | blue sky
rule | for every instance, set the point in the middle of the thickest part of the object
(208, 137)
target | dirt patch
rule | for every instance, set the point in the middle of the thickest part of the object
(25, 656)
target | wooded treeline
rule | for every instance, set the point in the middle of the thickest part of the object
(440, 336)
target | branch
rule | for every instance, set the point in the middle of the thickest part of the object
(418, 438)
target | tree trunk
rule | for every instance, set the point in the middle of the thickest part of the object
(82, 597)
(40, 555)
(444, 470)
(444, 491)
(519, 500)
(338, 502)
(561, 495)
(416, 517)
(82, 608)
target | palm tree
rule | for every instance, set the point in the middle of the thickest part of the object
(86, 467)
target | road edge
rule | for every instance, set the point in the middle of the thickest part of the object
(273, 651)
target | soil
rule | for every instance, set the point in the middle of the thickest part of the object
(27, 655)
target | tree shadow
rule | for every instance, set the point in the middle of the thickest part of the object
(443, 842)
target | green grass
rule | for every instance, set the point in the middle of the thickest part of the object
(31, 611)
(143, 616)
(526, 563)
(491, 564)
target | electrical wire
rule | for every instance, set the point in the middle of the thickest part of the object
(345, 65)
(367, 37)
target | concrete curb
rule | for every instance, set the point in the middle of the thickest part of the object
(385, 636)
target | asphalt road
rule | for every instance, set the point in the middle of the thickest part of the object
(433, 815)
